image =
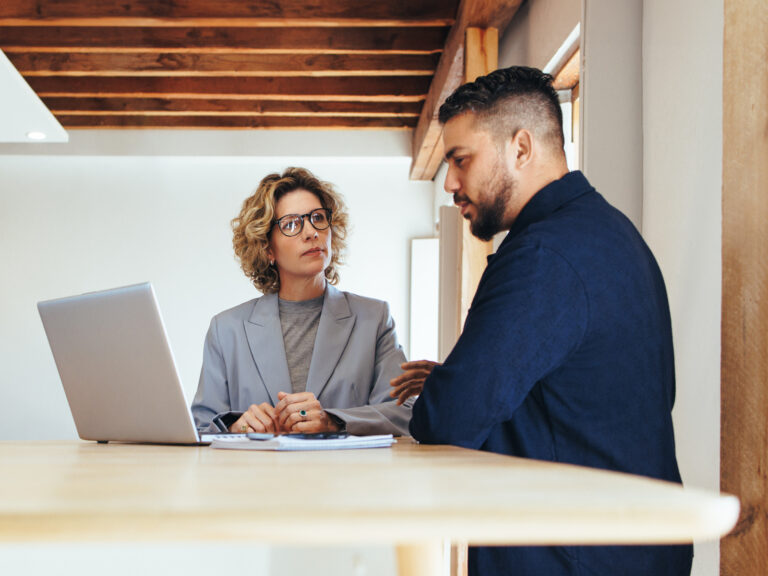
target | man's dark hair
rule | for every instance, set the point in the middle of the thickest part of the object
(509, 100)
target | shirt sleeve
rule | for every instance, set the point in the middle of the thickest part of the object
(529, 313)
(381, 415)
(211, 406)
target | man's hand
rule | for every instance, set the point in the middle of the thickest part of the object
(411, 381)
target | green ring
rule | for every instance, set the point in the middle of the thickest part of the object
(303, 413)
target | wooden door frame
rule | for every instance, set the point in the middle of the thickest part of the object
(744, 366)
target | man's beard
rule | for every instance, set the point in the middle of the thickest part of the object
(491, 209)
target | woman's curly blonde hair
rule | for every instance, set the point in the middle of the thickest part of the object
(254, 224)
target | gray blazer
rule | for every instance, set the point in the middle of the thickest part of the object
(356, 354)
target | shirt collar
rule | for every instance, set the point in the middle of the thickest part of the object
(549, 199)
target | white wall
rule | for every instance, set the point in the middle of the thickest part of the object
(195, 559)
(70, 224)
(611, 129)
(114, 208)
(537, 32)
(682, 111)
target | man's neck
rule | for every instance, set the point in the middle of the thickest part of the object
(547, 173)
(537, 179)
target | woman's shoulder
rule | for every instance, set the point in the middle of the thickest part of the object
(237, 313)
(363, 304)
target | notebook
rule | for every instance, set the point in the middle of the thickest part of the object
(117, 368)
(301, 442)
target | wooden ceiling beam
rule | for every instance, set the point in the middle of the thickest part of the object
(231, 12)
(228, 63)
(174, 64)
(568, 76)
(241, 122)
(209, 107)
(339, 89)
(409, 40)
(427, 143)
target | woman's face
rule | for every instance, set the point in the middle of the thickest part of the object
(306, 255)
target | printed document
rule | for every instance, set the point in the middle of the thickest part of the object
(287, 442)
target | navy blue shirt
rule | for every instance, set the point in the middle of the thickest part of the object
(566, 355)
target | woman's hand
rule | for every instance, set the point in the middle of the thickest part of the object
(303, 413)
(411, 381)
(258, 418)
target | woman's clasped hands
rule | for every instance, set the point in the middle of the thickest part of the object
(294, 413)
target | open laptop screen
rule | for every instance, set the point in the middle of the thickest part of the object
(117, 367)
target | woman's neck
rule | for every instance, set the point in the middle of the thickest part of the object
(300, 289)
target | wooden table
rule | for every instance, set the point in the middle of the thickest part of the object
(415, 497)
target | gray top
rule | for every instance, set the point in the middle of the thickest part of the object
(299, 322)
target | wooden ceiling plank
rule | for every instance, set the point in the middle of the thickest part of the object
(237, 96)
(279, 40)
(174, 64)
(159, 106)
(472, 13)
(149, 12)
(298, 114)
(282, 114)
(224, 22)
(267, 122)
(395, 88)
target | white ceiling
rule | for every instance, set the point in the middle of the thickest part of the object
(22, 112)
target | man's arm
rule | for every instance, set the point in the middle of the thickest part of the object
(529, 314)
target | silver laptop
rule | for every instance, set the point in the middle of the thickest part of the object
(117, 367)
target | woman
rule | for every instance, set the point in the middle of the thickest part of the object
(304, 357)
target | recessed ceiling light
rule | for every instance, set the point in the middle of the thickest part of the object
(34, 135)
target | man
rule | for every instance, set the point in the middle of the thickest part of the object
(566, 353)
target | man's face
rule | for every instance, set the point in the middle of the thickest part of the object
(478, 176)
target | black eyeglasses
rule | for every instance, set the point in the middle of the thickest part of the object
(293, 224)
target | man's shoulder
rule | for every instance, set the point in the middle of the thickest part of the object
(590, 239)
(587, 236)
(577, 226)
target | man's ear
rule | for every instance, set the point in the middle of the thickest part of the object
(521, 149)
